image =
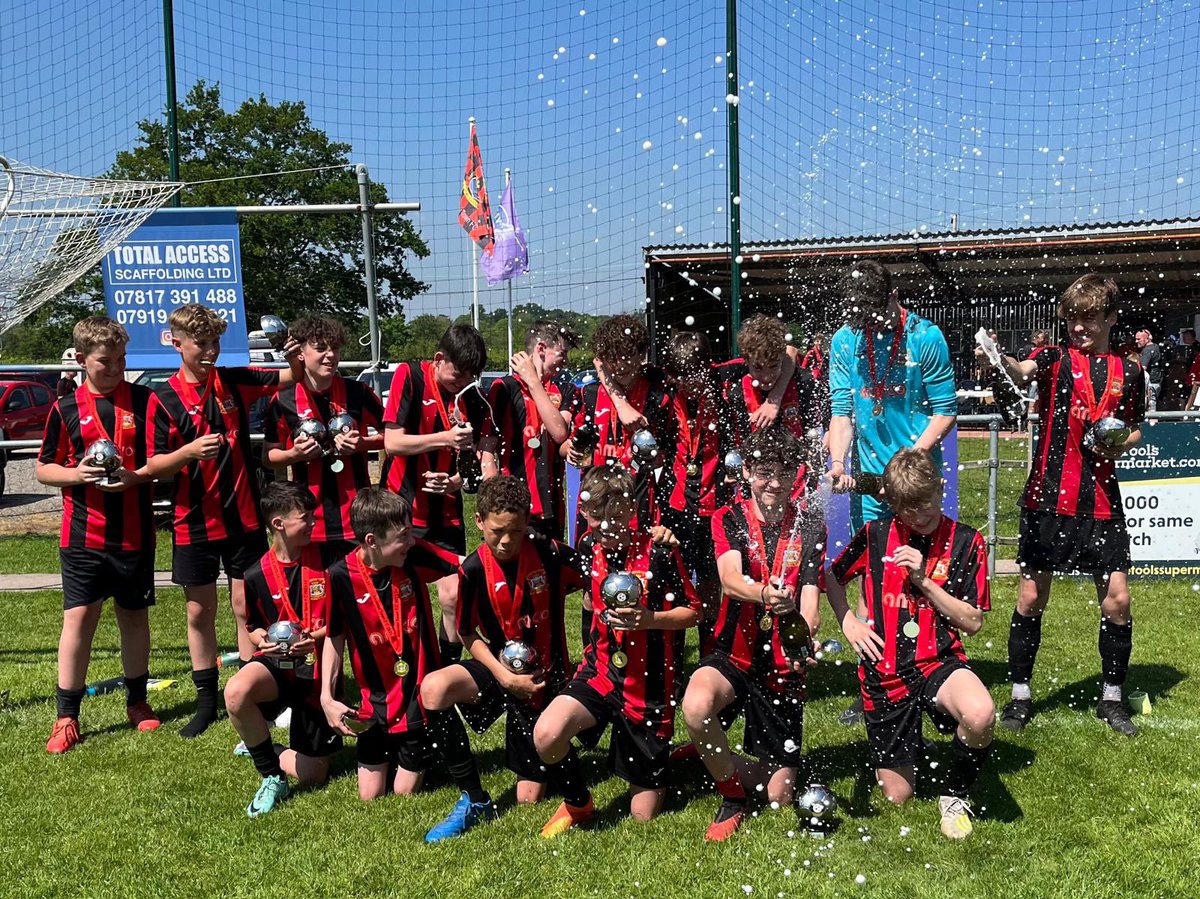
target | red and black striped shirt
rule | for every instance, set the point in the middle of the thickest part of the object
(92, 518)
(334, 490)
(800, 408)
(499, 610)
(390, 699)
(214, 498)
(650, 395)
(416, 403)
(516, 422)
(644, 688)
(306, 585)
(697, 467)
(955, 559)
(738, 634)
(1066, 478)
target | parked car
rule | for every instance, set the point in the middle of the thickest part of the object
(24, 408)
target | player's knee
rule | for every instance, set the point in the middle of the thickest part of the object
(370, 792)
(1116, 604)
(434, 693)
(979, 717)
(237, 695)
(546, 738)
(698, 706)
(896, 790)
(313, 772)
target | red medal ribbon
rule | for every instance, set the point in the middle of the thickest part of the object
(877, 386)
(533, 420)
(393, 629)
(277, 582)
(613, 444)
(306, 408)
(123, 417)
(1102, 408)
(197, 403)
(507, 599)
(897, 584)
(431, 386)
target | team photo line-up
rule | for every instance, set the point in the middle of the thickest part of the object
(703, 488)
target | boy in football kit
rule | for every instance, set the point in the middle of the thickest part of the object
(513, 588)
(531, 415)
(338, 469)
(427, 432)
(629, 668)
(107, 537)
(380, 612)
(925, 582)
(287, 584)
(1072, 518)
(770, 553)
(198, 430)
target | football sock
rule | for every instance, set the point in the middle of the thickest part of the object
(451, 652)
(1116, 642)
(1024, 638)
(69, 701)
(206, 703)
(965, 768)
(135, 689)
(451, 741)
(732, 788)
(586, 629)
(1021, 691)
(266, 762)
(567, 777)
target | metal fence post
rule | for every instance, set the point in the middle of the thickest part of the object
(364, 198)
(993, 488)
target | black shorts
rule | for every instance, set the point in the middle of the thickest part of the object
(694, 533)
(774, 721)
(635, 753)
(335, 550)
(93, 575)
(452, 537)
(309, 733)
(894, 728)
(408, 750)
(520, 756)
(1072, 545)
(198, 564)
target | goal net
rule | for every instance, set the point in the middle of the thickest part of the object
(54, 228)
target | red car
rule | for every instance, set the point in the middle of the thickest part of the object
(24, 408)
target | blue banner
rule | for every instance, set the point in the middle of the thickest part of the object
(179, 256)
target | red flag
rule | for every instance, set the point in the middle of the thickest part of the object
(474, 211)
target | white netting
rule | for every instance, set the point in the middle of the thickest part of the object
(54, 228)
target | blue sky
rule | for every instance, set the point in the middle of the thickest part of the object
(857, 118)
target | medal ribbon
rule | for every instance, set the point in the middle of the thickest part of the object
(393, 629)
(431, 387)
(198, 403)
(1098, 409)
(613, 443)
(777, 575)
(877, 386)
(507, 599)
(310, 572)
(122, 409)
(306, 406)
(895, 583)
(533, 420)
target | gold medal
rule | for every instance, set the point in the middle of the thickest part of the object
(911, 629)
(619, 659)
(766, 621)
(693, 469)
(400, 668)
(310, 659)
(878, 410)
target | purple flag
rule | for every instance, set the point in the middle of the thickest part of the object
(510, 254)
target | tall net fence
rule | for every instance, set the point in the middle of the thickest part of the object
(857, 118)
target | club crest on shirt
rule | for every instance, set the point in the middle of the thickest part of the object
(941, 570)
(406, 590)
(128, 422)
(556, 398)
(791, 558)
(316, 590)
(537, 581)
(791, 412)
(227, 405)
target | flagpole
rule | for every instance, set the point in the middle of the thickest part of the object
(474, 261)
(507, 184)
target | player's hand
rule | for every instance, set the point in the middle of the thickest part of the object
(764, 415)
(809, 660)
(661, 535)
(461, 437)
(1112, 453)
(436, 482)
(347, 444)
(525, 686)
(205, 447)
(523, 367)
(87, 473)
(630, 618)
(577, 458)
(839, 480)
(124, 480)
(272, 650)
(306, 448)
(291, 352)
(866, 642)
(981, 358)
(910, 558)
(778, 600)
(334, 711)
(303, 647)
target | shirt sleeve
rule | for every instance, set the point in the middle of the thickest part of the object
(972, 586)
(813, 574)
(252, 383)
(572, 575)
(494, 424)
(161, 434)
(400, 398)
(841, 369)
(55, 441)
(275, 424)
(466, 616)
(727, 537)
(937, 374)
(431, 563)
(256, 613)
(854, 558)
(371, 411)
(1133, 399)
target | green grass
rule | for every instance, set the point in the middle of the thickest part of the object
(1067, 809)
(973, 488)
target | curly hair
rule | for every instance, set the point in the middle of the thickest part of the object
(605, 489)
(503, 493)
(762, 340)
(197, 322)
(772, 445)
(318, 330)
(621, 337)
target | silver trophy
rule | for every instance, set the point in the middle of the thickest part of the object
(621, 590)
(106, 455)
(342, 423)
(285, 634)
(317, 431)
(518, 657)
(733, 465)
(645, 446)
(816, 806)
(275, 329)
(832, 646)
(1107, 432)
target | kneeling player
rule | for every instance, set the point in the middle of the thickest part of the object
(286, 584)
(769, 556)
(380, 609)
(512, 588)
(627, 676)
(924, 580)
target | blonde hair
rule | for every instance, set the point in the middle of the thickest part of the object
(608, 487)
(197, 322)
(97, 331)
(911, 479)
